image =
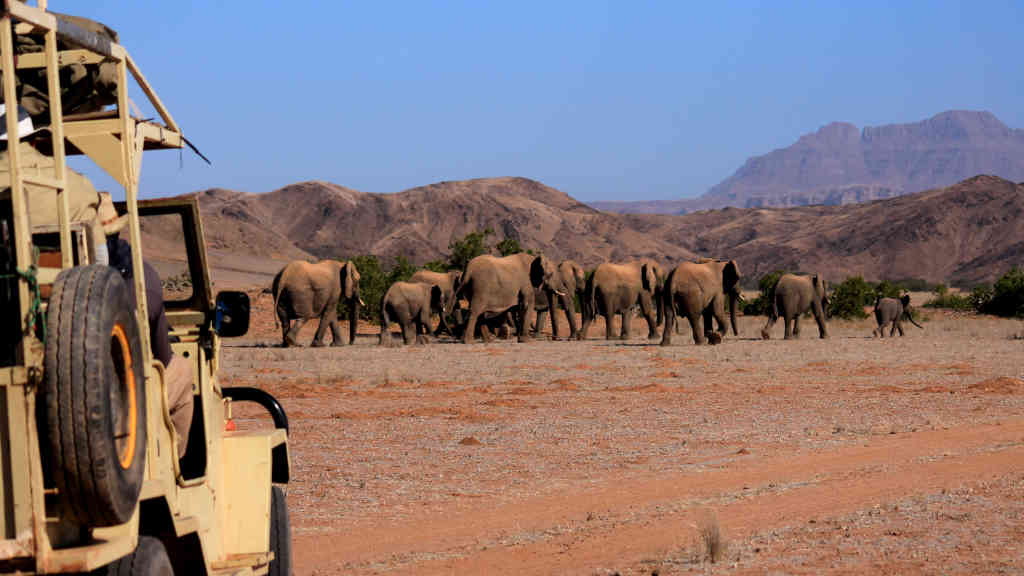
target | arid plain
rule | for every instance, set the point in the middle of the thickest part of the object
(848, 455)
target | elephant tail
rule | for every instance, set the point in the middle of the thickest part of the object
(277, 294)
(906, 312)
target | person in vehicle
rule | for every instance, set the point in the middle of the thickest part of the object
(178, 370)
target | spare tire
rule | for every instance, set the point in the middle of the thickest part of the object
(95, 396)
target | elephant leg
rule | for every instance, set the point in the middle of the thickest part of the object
(541, 316)
(696, 325)
(526, 308)
(627, 324)
(286, 324)
(789, 326)
(485, 333)
(474, 316)
(670, 324)
(796, 326)
(819, 317)
(609, 317)
(321, 330)
(766, 332)
(336, 337)
(570, 316)
(422, 327)
(646, 308)
(291, 338)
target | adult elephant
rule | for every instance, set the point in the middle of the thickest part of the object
(304, 290)
(494, 285)
(793, 295)
(699, 292)
(449, 283)
(569, 280)
(891, 310)
(614, 288)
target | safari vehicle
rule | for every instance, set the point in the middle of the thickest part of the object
(90, 478)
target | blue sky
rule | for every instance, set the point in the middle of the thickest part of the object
(605, 101)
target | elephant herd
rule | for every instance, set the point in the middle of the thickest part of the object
(505, 291)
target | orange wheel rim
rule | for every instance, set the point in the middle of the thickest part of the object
(126, 454)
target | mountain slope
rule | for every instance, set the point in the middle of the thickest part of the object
(840, 164)
(966, 233)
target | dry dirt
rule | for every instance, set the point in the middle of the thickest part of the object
(849, 455)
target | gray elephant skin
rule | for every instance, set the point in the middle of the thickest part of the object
(893, 311)
(411, 305)
(449, 283)
(614, 288)
(698, 291)
(304, 290)
(493, 285)
(568, 279)
(791, 297)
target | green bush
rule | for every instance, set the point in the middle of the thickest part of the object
(850, 297)
(887, 289)
(461, 251)
(762, 305)
(1008, 295)
(508, 246)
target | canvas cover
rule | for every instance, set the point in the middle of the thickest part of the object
(84, 87)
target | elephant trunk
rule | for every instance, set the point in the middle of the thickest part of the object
(734, 302)
(353, 319)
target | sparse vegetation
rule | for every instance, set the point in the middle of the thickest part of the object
(762, 305)
(945, 299)
(461, 251)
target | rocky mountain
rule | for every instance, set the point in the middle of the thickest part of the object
(963, 234)
(320, 219)
(840, 164)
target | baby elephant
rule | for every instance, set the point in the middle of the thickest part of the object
(410, 305)
(895, 311)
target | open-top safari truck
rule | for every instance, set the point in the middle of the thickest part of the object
(90, 477)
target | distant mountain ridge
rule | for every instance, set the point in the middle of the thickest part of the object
(966, 233)
(839, 164)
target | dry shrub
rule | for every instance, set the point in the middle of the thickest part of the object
(710, 545)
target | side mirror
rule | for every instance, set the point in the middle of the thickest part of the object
(232, 314)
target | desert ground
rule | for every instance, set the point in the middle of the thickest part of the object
(849, 455)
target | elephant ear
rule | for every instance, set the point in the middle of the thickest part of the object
(580, 275)
(348, 279)
(537, 272)
(436, 301)
(648, 278)
(730, 276)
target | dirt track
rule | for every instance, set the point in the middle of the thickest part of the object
(848, 455)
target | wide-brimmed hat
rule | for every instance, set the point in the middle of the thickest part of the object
(111, 222)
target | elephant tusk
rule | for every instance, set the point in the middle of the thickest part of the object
(559, 292)
(361, 303)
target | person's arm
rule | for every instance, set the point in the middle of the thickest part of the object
(159, 328)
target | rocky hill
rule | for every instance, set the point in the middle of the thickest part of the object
(319, 219)
(840, 164)
(965, 233)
